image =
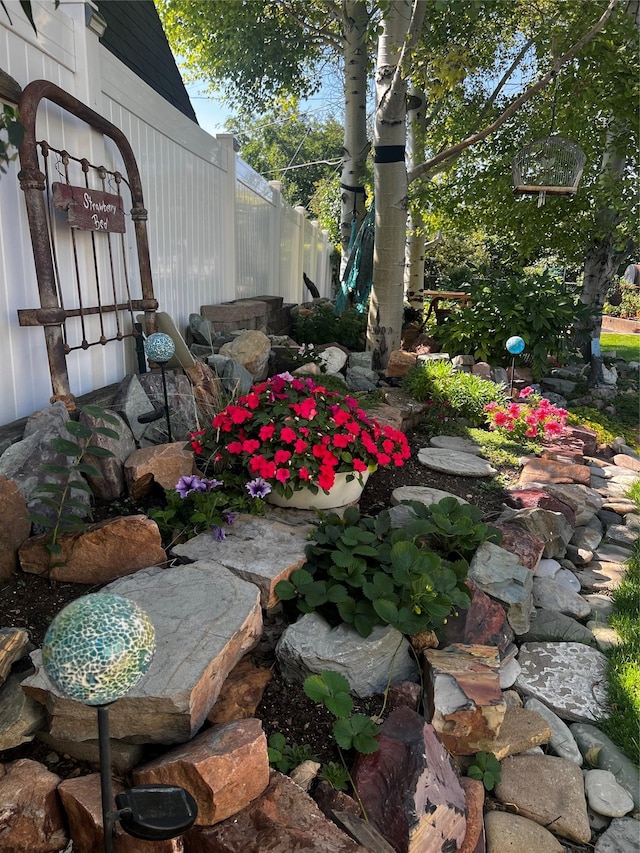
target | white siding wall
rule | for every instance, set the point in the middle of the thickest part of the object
(217, 230)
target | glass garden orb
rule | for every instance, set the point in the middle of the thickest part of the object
(159, 347)
(515, 345)
(98, 647)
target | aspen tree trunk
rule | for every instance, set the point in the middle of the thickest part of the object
(415, 242)
(384, 326)
(356, 144)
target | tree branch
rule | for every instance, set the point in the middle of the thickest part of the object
(455, 150)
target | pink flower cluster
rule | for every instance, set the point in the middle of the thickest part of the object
(534, 418)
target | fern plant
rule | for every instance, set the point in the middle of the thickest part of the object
(59, 495)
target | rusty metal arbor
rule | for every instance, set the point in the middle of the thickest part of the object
(96, 298)
(549, 166)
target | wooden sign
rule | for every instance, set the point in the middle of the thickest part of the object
(89, 210)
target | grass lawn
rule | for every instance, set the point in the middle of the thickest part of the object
(626, 347)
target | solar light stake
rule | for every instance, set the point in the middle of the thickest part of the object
(106, 794)
(160, 348)
(515, 345)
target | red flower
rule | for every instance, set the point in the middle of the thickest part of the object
(250, 445)
(306, 409)
(288, 435)
(236, 447)
(281, 456)
(303, 473)
(300, 446)
(326, 477)
(342, 440)
(359, 465)
(266, 432)
(282, 475)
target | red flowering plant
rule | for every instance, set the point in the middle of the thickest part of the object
(535, 417)
(290, 433)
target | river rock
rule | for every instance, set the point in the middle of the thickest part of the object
(620, 837)
(605, 796)
(561, 740)
(454, 462)
(559, 804)
(517, 834)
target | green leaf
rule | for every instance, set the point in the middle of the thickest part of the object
(66, 447)
(42, 520)
(98, 412)
(102, 452)
(107, 432)
(332, 689)
(78, 430)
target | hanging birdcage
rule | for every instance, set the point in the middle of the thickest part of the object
(549, 166)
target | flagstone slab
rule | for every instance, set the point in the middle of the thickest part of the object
(424, 494)
(259, 550)
(205, 619)
(455, 442)
(569, 678)
(598, 576)
(454, 462)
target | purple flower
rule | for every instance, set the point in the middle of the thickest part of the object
(211, 484)
(230, 517)
(188, 484)
(218, 532)
(258, 488)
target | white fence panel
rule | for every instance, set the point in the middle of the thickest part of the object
(217, 230)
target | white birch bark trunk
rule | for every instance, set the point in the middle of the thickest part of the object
(356, 144)
(415, 243)
(384, 327)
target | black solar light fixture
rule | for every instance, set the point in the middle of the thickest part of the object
(95, 650)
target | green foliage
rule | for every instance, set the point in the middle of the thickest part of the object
(362, 572)
(285, 756)
(58, 495)
(629, 306)
(351, 731)
(531, 305)
(321, 326)
(451, 393)
(14, 131)
(486, 768)
(199, 504)
(633, 493)
(275, 143)
(336, 775)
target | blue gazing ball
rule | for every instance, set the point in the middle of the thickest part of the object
(98, 647)
(159, 347)
(515, 345)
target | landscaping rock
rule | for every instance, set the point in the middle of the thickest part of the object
(620, 837)
(282, 818)
(607, 756)
(501, 575)
(258, 550)
(549, 594)
(224, 768)
(559, 804)
(14, 645)
(567, 677)
(455, 462)
(605, 796)
(107, 550)
(251, 350)
(163, 464)
(205, 619)
(427, 810)
(423, 494)
(510, 833)
(551, 527)
(522, 729)
(561, 740)
(109, 485)
(463, 697)
(311, 645)
(32, 819)
(553, 626)
(20, 716)
(131, 401)
(14, 527)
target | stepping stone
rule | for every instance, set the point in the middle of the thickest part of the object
(569, 678)
(424, 494)
(205, 618)
(455, 442)
(454, 462)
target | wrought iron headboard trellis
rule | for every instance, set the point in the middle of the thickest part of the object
(52, 314)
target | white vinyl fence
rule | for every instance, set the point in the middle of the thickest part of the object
(217, 230)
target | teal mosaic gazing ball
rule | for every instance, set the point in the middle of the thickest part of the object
(159, 347)
(98, 647)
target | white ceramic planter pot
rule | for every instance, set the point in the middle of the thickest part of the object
(340, 494)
